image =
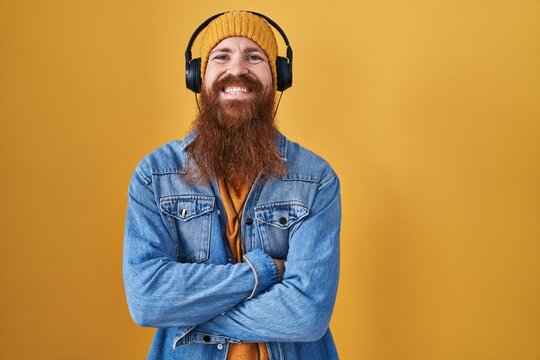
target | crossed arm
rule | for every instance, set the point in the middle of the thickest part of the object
(162, 292)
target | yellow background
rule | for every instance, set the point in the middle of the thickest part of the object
(428, 110)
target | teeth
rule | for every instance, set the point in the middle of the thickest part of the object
(235, 90)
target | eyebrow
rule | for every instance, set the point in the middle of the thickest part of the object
(245, 51)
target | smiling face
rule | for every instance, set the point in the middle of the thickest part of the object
(233, 58)
(236, 133)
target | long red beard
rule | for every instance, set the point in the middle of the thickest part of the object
(236, 139)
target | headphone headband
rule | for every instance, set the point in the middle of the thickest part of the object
(196, 32)
(193, 66)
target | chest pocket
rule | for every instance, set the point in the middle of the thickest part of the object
(275, 221)
(189, 219)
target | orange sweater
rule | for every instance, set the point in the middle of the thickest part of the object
(233, 200)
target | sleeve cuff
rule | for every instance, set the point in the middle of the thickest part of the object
(264, 269)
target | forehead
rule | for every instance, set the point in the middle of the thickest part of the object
(237, 43)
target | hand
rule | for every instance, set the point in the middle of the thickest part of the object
(280, 264)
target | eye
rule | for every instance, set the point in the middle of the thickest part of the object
(221, 57)
(254, 58)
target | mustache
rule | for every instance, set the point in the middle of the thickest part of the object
(243, 80)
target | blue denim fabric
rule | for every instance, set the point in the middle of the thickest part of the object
(180, 276)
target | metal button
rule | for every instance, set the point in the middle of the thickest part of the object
(206, 338)
(220, 346)
(183, 213)
(249, 221)
(282, 221)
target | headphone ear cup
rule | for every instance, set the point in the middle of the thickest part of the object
(284, 73)
(193, 75)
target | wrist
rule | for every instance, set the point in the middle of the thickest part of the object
(280, 268)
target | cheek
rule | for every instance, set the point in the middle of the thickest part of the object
(266, 78)
(207, 83)
(209, 75)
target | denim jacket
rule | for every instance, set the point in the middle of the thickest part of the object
(181, 278)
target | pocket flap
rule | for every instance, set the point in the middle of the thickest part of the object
(186, 207)
(281, 214)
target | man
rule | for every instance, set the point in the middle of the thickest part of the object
(232, 234)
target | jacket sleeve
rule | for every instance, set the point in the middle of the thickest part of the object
(162, 292)
(299, 308)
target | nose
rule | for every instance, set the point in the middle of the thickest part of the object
(237, 67)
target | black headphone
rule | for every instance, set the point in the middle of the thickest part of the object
(283, 64)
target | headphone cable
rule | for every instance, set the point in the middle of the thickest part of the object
(277, 106)
(197, 101)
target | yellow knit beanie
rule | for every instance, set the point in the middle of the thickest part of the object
(239, 23)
